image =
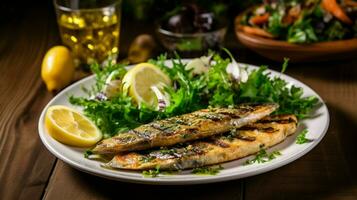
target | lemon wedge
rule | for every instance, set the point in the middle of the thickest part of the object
(57, 68)
(71, 127)
(139, 80)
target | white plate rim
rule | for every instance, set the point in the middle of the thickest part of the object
(116, 175)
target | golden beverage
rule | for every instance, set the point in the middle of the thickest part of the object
(93, 36)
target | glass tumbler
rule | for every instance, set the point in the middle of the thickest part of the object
(90, 28)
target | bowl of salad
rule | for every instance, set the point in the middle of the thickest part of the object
(305, 30)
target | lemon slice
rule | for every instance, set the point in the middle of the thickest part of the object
(71, 127)
(138, 81)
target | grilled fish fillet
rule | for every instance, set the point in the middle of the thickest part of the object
(183, 128)
(216, 149)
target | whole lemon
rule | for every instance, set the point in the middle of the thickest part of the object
(57, 68)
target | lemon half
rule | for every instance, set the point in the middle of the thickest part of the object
(71, 127)
(138, 81)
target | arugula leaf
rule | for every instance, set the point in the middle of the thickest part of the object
(285, 65)
(302, 32)
(336, 31)
(218, 84)
(102, 74)
(275, 25)
(262, 88)
(262, 156)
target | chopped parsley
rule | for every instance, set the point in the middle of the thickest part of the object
(152, 173)
(301, 138)
(262, 156)
(207, 170)
(231, 135)
(145, 159)
(167, 151)
(87, 153)
(185, 136)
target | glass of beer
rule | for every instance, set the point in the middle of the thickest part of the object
(90, 28)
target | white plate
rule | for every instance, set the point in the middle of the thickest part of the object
(290, 151)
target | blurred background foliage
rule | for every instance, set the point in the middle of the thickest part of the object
(147, 10)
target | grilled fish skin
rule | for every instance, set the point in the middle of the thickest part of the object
(183, 128)
(216, 149)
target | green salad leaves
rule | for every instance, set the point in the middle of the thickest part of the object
(301, 21)
(189, 92)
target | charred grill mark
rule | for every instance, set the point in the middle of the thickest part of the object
(219, 143)
(247, 108)
(246, 137)
(195, 149)
(262, 129)
(169, 132)
(189, 132)
(166, 129)
(269, 130)
(158, 126)
(234, 133)
(175, 152)
(180, 121)
(162, 156)
(279, 121)
(143, 134)
(123, 139)
(192, 130)
(211, 116)
(230, 114)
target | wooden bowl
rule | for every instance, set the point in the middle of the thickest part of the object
(277, 49)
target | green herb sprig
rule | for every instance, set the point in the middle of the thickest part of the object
(262, 156)
(152, 173)
(301, 138)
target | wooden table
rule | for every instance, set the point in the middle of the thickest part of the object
(29, 171)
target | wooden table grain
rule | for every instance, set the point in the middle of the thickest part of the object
(29, 171)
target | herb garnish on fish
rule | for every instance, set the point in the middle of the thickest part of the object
(301, 138)
(262, 156)
(152, 172)
(207, 170)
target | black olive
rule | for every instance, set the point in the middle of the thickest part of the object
(204, 22)
(191, 19)
(182, 22)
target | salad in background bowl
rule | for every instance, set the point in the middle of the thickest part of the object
(309, 30)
